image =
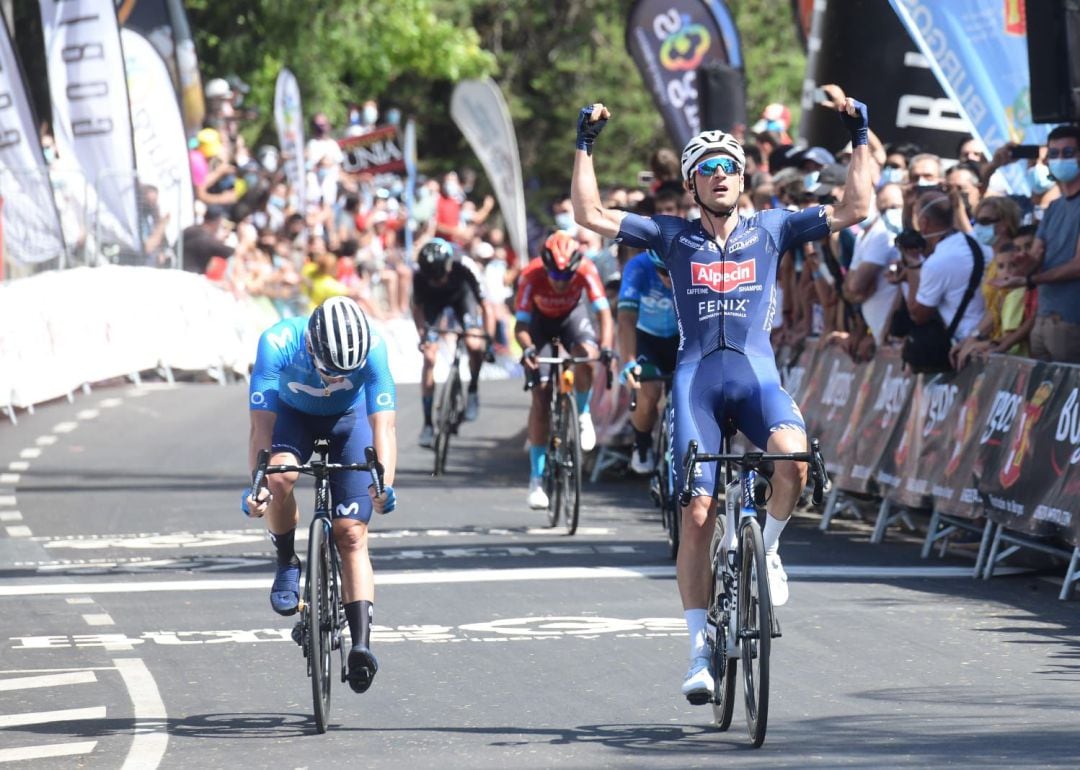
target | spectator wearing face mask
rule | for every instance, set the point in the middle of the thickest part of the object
(1056, 335)
(867, 282)
(323, 159)
(964, 178)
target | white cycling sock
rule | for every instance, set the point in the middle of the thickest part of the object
(771, 534)
(695, 625)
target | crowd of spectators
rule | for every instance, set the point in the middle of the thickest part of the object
(936, 221)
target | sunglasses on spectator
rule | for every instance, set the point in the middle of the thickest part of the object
(1064, 152)
(560, 275)
(710, 166)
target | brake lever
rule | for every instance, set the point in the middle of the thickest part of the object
(688, 472)
(258, 477)
(376, 469)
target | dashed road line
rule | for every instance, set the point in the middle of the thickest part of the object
(46, 751)
(9, 478)
(110, 403)
(18, 465)
(47, 680)
(88, 414)
(65, 427)
(19, 530)
(30, 453)
(7, 500)
(99, 619)
(10, 516)
(48, 717)
(80, 600)
(46, 440)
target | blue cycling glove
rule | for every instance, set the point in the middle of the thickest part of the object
(244, 501)
(587, 130)
(391, 500)
(857, 125)
(632, 367)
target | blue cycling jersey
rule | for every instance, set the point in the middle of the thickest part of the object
(643, 291)
(725, 296)
(284, 372)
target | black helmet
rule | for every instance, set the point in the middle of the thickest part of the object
(436, 258)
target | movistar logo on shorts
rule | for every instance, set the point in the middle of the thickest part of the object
(723, 276)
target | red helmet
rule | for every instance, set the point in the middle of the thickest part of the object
(561, 253)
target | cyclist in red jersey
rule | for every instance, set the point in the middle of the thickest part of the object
(549, 305)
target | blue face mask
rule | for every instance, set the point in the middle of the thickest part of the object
(1038, 177)
(984, 234)
(810, 180)
(564, 220)
(277, 201)
(894, 220)
(890, 175)
(1064, 170)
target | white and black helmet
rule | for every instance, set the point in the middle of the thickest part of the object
(338, 336)
(710, 143)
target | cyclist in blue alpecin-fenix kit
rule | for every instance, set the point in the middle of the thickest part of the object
(325, 376)
(723, 274)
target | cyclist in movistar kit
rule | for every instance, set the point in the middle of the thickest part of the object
(648, 341)
(723, 274)
(548, 305)
(444, 281)
(325, 377)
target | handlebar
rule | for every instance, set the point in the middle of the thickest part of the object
(664, 378)
(532, 381)
(759, 461)
(319, 467)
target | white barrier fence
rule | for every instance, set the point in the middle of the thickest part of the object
(62, 330)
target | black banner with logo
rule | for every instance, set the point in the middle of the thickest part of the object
(669, 41)
(890, 389)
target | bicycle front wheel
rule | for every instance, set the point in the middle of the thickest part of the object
(755, 629)
(571, 464)
(445, 422)
(320, 618)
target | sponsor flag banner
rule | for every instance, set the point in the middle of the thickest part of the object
(828, 402)
(905, 101)
(165, 24)
(376, 152)
(894, 458)
(977, 50)
(881, 418)
(1010, 379)
(160, 144)
(1023, 484)
(91, 115)
(930, 419)
(31, 225)
(290, 127)
(481, 114)
(845, 452)
(796, 377)
(1061, 506)
(670, 40)
(410, 184)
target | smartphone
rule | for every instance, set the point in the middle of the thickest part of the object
(644, 178)
(820, 97)
(1024, 151)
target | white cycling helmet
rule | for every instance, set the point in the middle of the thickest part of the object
(338, 336)
(710, 143)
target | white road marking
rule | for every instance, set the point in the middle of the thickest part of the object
(21, 753)
(48, 717)
(18, 465)
(99, 619)
(30, 453)
(109, 403)
(88, 414)
(7, 499)
(80, 600)
(47, 680)
(47, 440)
(65, 427)
(9, 478)
(19, 530)
(426, 577)
(150, 735)
(10, 516)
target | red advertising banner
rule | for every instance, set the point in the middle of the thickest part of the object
(376, 152)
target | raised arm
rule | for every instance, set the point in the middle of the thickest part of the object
(858, 187)
(589, 211)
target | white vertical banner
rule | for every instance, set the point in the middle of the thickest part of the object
(290, 128)
(158, 127)
(409, 151)
(91, 116)
(480, 112)
(31, 225)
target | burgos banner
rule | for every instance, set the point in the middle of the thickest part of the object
(669, 41)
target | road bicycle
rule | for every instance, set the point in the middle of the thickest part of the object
(740, 606)
(562, 464)
(662, 486)
(322, 623)
(450, 411)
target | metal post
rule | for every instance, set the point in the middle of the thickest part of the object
(830, 508)
(882, 522)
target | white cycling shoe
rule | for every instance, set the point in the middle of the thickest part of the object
(588, 432)
(778, 587)
(642, 466)
(538, 498)
(698, 684)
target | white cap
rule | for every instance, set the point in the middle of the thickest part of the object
(218, 88)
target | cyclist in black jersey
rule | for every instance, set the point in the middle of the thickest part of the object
(445, 280)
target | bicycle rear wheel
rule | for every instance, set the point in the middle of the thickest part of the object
(724, 668)
(669, 500)
(571, 464)
(445, 423)
(320, 619)
(755, 629)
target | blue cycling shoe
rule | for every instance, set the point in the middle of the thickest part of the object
(285, 592)
(362, 668)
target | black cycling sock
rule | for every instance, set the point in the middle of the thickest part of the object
(427, 401)
(474, 383)
(642, 440)
(360, 614)
(284, 545)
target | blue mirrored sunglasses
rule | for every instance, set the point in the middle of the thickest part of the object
(560, 275)
(723, 163)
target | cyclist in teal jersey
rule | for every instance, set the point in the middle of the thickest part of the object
(723, 275)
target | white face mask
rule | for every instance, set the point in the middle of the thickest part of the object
(893, 219)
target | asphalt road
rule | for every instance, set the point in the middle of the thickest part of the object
(138, 633)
